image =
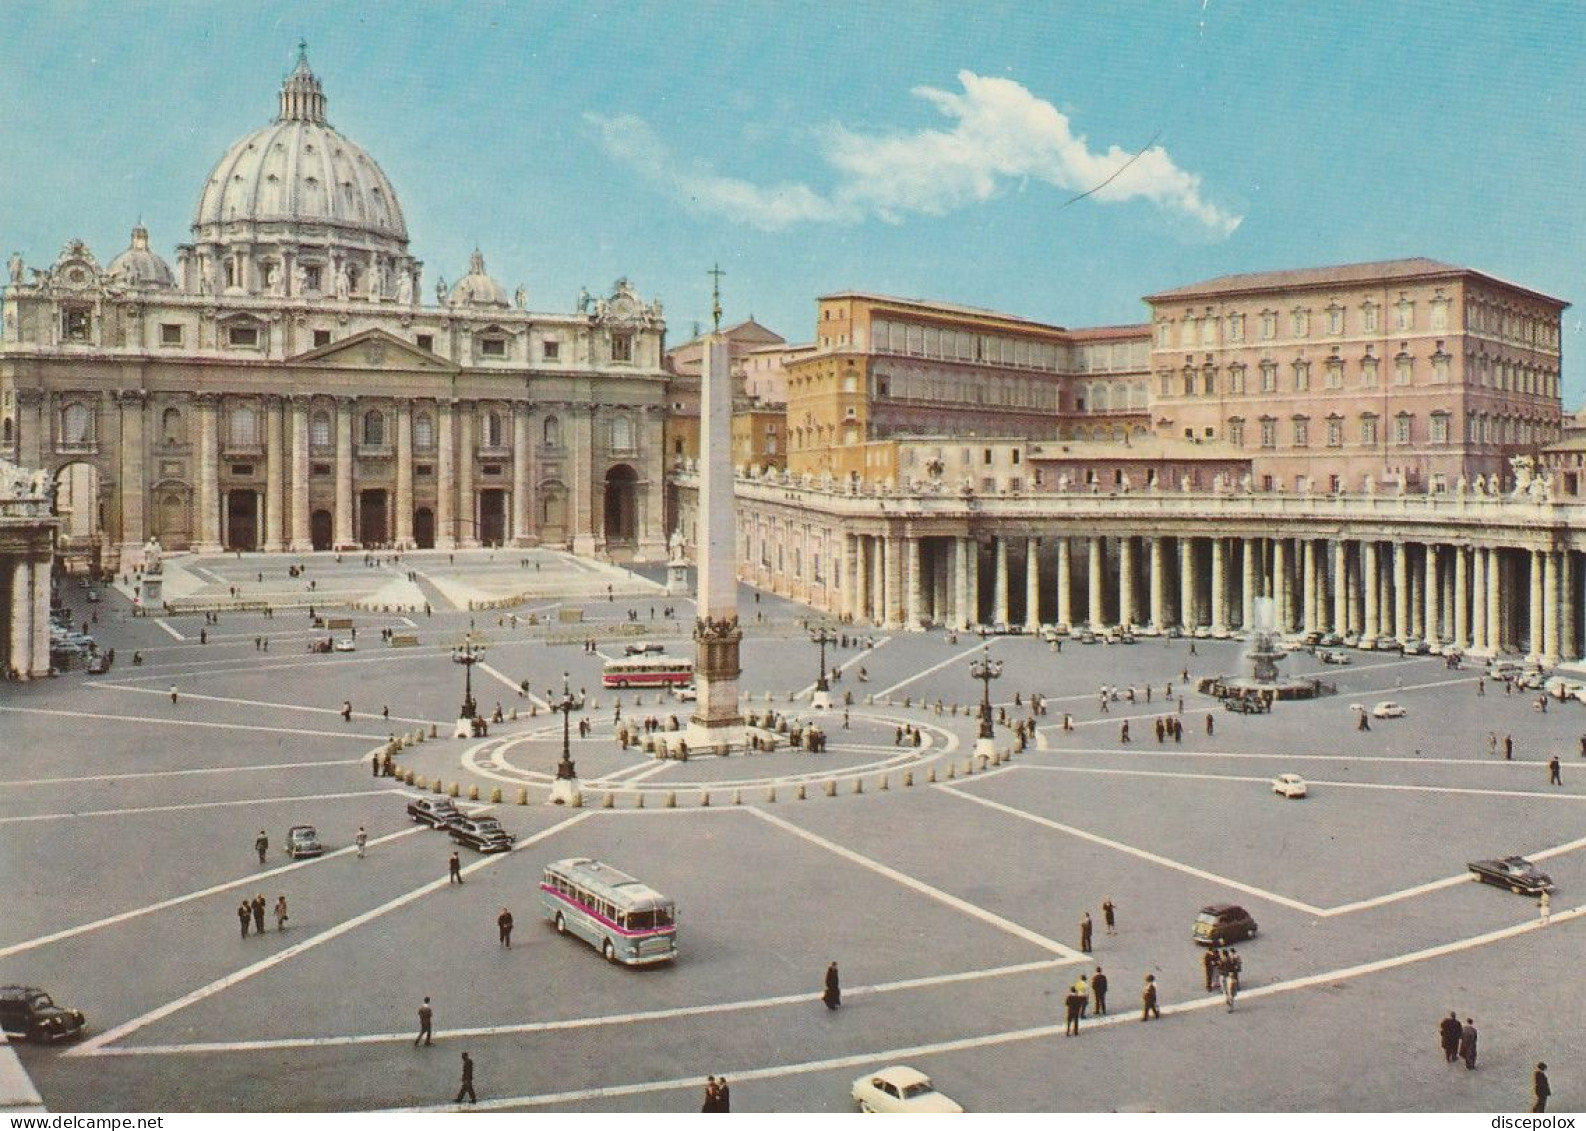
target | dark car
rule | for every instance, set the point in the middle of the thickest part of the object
(1513, 872)
(484, 834)
(1223, 923)
(303, 840)
(436, 812)
(644, 647)
(28, 1012)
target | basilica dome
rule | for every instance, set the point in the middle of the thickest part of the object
(477, 288)
(140, 267)
(299, 170)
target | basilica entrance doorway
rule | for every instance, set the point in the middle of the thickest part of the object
(242, 520)
(492, 516)
(424, 528)
(319, 529)
(622, 522)
(372, 526)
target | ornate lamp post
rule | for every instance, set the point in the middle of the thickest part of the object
(985, 670)
(468, 654)
(565, 790)
(822, 699)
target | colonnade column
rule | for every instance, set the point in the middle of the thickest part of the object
(1032, 584)
(1065, 584)
(893, 584)
(972, 571)
(1433, 594)
(1478, 599)
(274, 500)
(1187, 585)
(1550, 609)
(1125, 581)
(445, 481)
(467, 501)
(1219, 586)
(961, 610)
(1093, 580)
(1540, 603)
(520, 477)
(404, 475)
(1308, 594)
(1158, 581)
(23, 662)
(913, 553)
(1461, 597)
(208, 477)
(302, 535)
(1281, 600)
(850, 607)
(1340, 587)
(131, 485)
(999, 613)
(343, 526)
(1401, 592)
(1495, 639)
(1568, 649)
(1368, 576)
(1247, 599)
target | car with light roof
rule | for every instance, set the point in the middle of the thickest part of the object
(482, 834)
(1289, 785)
(436, 812)
(901, 1089)
(1388, 709)
(644, 647)
(28, 1012)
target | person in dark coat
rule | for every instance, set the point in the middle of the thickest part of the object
(467, 1088)
(504, 925)
(1109, 916)
(723, 1095)
(455, 870)
(1085, 928)
(712, 1101)
(1098, 987)
(1148, 1006)
(261, 845)
(244, 916)
(1071, 1007)
(1211, 961)
(1540, 1087)
(833, 997)
(1448, 1033)
(1467, 1043)
(1553, 777)
(426, 1025)
(258, 913)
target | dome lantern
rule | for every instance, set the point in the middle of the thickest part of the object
(302, 99)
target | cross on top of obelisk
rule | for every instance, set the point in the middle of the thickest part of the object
(715, 295)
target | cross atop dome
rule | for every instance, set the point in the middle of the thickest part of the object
(302, 99)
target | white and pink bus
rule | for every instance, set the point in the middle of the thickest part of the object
(627, 921)
(648, 671)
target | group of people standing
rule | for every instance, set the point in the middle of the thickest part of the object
(1224, 968)
(250, 913)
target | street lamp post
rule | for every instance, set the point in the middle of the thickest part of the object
(822, 698)
(565, 790)
(985, 670)
(468, 654)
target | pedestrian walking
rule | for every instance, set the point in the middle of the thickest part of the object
(1148, 1006)
(1230, 988)
(455, 870)
(173, 693)
(1448, 1032)
(244, 916)
(259, 904)
(723, 1095)
(1085, 927)
(833, 997)
(1071, 1007)
(1467, 1044)
(467, 1088)
(362, 841)
(261, 845)
(1123, 731)
(280, 914)
(426, 1025)
(1544, 908)
(346, 710)
(504, 926)
(712, 1101)
(1553, 768)
(1508, 747)
(1211, 961)
(1211, 724)
(1098, 989)
(1109, 916)
(1540, 1088)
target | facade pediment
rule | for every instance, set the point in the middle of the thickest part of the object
(374, 350)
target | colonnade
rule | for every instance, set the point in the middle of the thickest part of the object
(25, 614)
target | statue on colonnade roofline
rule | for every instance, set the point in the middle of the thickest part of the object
(16, 266)
(1523, 468)
(1461, 487)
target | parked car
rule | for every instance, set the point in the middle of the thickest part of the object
(93, 596)
(345, 644)
(901, 1089)
(436, 812)
(1052, 634)
(28, 1012)
(1223, 923)
(483, 834)
(303, 840)
(644, 647)
(1125, 637)
(1289, 785)
(1516, 873)
(1330, 640)
(317, 646)
(99, 665)
(1387, 709)
(1334, 656)
(1087, 637)
(685, 694)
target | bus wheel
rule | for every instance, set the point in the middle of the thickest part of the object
(561, 924)
(609, 951)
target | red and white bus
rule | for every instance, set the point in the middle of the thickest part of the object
(648, 671)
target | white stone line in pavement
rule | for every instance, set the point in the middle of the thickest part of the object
(953, 659)
(248, 769)
(598, 1021)
(164, 624)
(174, 901)
(126, 1028)
(639, 771)
(1141, 750)
(516, 688)
(960, 905)
(334, 660)
(990, 1040)
(261, 703)
(193, 722)
(34, 817)
(1141, 853)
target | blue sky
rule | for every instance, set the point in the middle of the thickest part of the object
(922, 148)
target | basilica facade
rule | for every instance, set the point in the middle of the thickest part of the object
(289, 385)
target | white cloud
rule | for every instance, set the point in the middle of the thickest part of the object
(999, 132)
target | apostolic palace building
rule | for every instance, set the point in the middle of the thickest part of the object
(1374, 446)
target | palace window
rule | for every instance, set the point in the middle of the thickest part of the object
(1402, 428)
(1269, 376)
(492, 430)
(321, 338)
(1236, 380)
(243, 337)
(1335, 373)
(1335, 319)
(1440, 428)
(319, 430)
(1269, 324)
(1404, 315)
(492, 347)
(1300, 323)
(171, 426)
(1368, 317)
(374, 428)
(621, 433)
(1302, 376)
(1368, 430)
(1368, 371)
(76, 323)
(1302, 432)
(244, 430)
(426, 342)
(551, 349)
(1335, 431)
(1236, 327)
(424, 432)
(1269, 432)
(1236, 431)
(622, 347)
(1403, 369)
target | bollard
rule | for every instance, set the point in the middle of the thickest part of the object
(578, 800)
(870, 700)
(859, 785)
(671, 799)
(831, 788)
(770, 793)
(439, 786)
(495, 796)
(418, 735)
(640, 800)
(951, 772)
(434, 733)
(610, 801)
(882, 785)
(930, 775)
(908, 777)
(523, 795)
(421, 783)
(409, 777)
(908, 701)
(454, 791)
(514, 714)
(799, 793)
(473, 793)
(791, 696)
(737, 797)
(704, 800)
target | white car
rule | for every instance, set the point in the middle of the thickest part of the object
(1288, 785)
(345, 644)
(1387, 709)
(901, 1089)
(685, 694)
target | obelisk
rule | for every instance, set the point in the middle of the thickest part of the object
(717, 723)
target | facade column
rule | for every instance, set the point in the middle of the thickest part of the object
(587, 537)
(893, 587)
(1250, 580)
(274, 487)
(1308, 587)
(1281, 594)
(343, 526)
(1340, 589)
(1401, 592)
(208, 477)
(1369, 628)
(1126, 582)
(39, 617)
(1065, 583)
(1187, 584)
(1433, 592)
(522, 506)
(1093, 581)
(467, 497)
(1536, 629)
(1478, 599)
(850, 605)
(131, 487)
(1000, 597)
(403, 526)
(1219, 586)
(960, 617)
(1461, 597)
(1158, 582)
(1494, 598)
(445, 478)
(302, 533)
(913, 553)
(1417, 598)
(972, 571)
(1032, 585)
(1550, 607)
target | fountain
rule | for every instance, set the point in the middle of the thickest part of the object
(1265, 683)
